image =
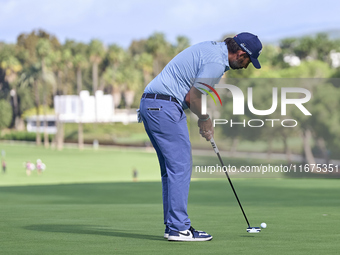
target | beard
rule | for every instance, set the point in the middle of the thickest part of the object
(236, 64)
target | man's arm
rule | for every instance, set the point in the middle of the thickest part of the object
(214, 72)
(193, 101)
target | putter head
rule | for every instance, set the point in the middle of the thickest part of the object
(254, 230)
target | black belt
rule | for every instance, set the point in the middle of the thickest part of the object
(159, 96)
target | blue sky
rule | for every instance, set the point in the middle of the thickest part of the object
(200, 20)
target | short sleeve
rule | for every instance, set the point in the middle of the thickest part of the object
(210, 74)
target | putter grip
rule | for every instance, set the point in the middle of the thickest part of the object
(213, 144)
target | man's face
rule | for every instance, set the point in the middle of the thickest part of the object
(241, 61)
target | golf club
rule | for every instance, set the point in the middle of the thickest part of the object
(249, 229)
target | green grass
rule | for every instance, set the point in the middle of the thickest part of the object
(126, 218)
(133, 133)
(84, 210)
(74, 166)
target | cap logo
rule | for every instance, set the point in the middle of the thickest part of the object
(246, 49)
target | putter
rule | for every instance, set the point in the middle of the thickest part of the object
(249, 228)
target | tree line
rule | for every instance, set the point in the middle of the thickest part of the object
(37, 67)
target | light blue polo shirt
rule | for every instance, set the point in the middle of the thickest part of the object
(205, 62)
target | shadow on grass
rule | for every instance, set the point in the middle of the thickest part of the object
(89, 230)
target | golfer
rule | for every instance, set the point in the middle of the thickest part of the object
(162, 111)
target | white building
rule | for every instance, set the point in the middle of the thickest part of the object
(51, 124)
(335, 58)
(83, 108)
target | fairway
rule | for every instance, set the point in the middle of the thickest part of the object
(74, 166)
(104, 212)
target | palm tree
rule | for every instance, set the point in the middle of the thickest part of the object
(115, 55)
(96, 53)
(31, 76)
(144, 62)
(113, 76)
(133, 78)
(66, 64)
(57, 67)
(64, 86)
(161, 51)
(12, 66)
(43, 49)
(114, 79)
(80, 63)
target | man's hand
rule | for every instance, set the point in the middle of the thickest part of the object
(193, 100)
(206, 128)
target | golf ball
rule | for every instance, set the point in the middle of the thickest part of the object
(263, 225)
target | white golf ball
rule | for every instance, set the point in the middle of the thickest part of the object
(263, 225)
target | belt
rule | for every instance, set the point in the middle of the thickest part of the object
(159, 96)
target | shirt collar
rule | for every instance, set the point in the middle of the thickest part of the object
(225, 56)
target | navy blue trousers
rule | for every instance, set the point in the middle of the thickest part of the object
(166, 125)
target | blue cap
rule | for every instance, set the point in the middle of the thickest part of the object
(251, 45)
